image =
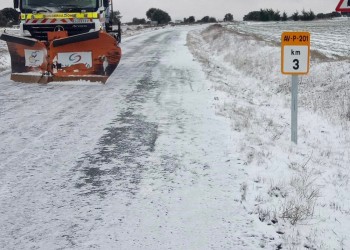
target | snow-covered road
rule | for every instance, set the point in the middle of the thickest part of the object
(142, 162)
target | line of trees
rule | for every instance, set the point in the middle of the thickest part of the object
(206, 19)
(162, 17)
(304, 16)
(138, 21)
(328, 15)
(265, 15)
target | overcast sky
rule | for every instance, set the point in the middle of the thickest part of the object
(178, 9)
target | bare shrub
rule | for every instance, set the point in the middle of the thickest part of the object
(296, 210)
(300, 203)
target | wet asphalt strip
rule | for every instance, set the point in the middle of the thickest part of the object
(128, 139)
(118, 162)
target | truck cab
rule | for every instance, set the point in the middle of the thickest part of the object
(38, 17)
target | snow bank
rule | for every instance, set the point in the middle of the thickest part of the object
(133, 30)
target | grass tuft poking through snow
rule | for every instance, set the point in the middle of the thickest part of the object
(300, 201)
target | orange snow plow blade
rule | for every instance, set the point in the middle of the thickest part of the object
(28, 59)
(90, 56)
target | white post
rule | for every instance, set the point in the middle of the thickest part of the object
(295, 80)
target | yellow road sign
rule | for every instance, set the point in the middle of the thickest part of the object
(295, 53)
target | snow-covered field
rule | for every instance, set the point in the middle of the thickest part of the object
(330, 37)
(301, 191)
(187, 146)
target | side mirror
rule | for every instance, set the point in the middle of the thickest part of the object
(105, 3)
(15, 4)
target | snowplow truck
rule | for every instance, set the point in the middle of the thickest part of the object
(64, 40)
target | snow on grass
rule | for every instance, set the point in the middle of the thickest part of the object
(301, 191)
(325, 90)
(329, 36)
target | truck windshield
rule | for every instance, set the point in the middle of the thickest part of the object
(29, 6)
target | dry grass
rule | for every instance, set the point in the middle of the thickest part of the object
(244, 189)
(300, 202)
